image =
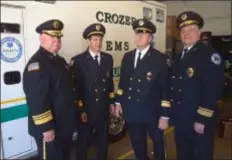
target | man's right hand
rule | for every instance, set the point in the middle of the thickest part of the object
(83, 117)
(49, 136)
(118, 110)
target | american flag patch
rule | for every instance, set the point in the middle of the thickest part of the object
(33, 66)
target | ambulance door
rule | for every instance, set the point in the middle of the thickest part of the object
(14, 118)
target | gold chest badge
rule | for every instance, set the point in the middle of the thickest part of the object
(149, 76)
(190, 72)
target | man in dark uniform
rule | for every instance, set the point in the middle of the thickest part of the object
(196, 82)
(93, 71)
(142, 96)
(47, 83)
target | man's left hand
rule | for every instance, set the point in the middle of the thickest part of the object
(199, 128)
(163, 123)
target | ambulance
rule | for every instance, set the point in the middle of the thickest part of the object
(19, 42)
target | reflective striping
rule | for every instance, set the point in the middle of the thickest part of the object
(13, 100)
(13, 113)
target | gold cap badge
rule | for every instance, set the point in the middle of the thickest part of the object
(56, 24)
(98, 27)
(184, 16)
(141, 23)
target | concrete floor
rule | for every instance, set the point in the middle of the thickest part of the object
(123, 150)
(223, 146)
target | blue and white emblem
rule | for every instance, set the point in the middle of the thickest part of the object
(11, 49)
(216, 59)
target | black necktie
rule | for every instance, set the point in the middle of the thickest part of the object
(184, 53)
(95, 60)
(138, 60)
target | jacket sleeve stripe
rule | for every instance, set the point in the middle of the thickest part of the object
(205, 112)
(120, 92)
(43, 121)
(165, 104)
(111, 95)
(42, 115)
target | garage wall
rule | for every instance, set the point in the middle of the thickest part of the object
(217, 14)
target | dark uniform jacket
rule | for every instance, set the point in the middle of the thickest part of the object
(196, 84)
(143, 91)
(94, 84)
(47, 84)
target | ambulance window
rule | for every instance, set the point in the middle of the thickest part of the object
(10, 28)
(12, 77)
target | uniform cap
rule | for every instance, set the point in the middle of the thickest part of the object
(51, 27)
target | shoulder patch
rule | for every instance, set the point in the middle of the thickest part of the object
(216, 58)
(33, 66)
